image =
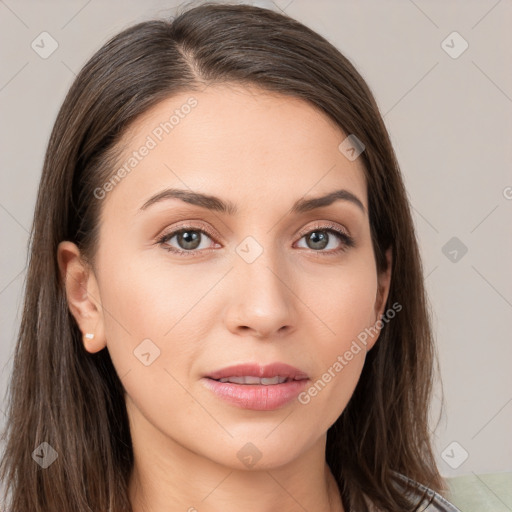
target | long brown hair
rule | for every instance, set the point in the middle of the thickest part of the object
(74, 400)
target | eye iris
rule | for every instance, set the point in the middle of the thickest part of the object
(188, 239)
(318, 237)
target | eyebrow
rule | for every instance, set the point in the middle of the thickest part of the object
(227, 207)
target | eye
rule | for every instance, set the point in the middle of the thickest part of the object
(320, 237)
(189, 240)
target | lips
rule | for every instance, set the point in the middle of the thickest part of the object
(251, 373)
(255, 387)
(265, 381)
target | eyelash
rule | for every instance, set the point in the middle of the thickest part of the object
(347, 241)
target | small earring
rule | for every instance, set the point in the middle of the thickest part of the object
(89, 336)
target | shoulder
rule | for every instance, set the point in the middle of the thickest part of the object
(431, 501)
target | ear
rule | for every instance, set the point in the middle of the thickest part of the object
(384, 283)
(83, 296)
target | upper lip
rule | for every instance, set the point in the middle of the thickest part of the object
(256, 370)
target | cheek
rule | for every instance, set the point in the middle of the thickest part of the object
(343, 304)
(142, 306)
(151, 326)
(344, 308)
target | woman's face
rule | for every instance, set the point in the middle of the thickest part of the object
(268, 284)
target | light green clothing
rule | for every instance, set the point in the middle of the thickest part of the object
(484, 492)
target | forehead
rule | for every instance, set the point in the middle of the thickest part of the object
(241, 143)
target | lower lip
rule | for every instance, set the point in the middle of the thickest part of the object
(257, 397)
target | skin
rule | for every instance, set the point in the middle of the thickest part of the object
(295, 303)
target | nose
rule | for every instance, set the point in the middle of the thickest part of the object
(262, 303)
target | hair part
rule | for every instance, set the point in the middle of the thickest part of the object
(74, 400)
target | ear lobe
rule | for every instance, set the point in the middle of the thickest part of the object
(383, 286)
(82, 295)
(384, 283)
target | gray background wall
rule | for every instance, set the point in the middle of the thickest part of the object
(450, 119)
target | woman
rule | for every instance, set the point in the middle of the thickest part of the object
(225, 305)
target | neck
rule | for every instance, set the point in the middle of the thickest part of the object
(168, 477)
(258, 491)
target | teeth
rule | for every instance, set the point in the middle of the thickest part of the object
(266, 381)
(254, 380)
